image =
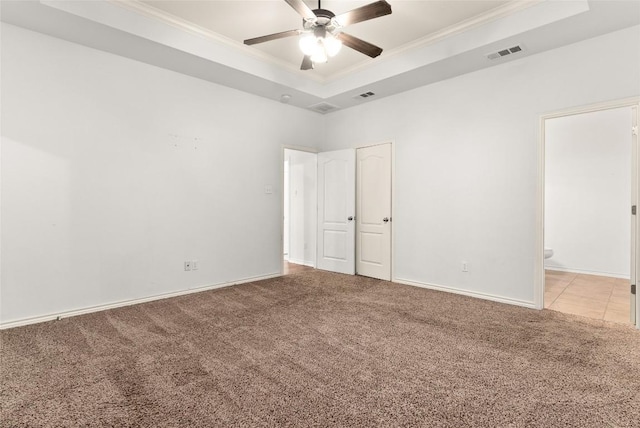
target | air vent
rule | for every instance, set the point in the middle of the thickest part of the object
(505, 52)
(367, 94)
(323, 107)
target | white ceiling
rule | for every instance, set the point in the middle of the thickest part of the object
(423, 41)
(410, 21)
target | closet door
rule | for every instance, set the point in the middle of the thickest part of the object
(336, 211)
(373, 212)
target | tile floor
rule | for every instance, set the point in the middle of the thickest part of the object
(288, 268)
(599, 297)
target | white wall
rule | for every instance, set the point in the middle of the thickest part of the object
(588, 192)
(302, 206)
(114, 172)
(466, 160)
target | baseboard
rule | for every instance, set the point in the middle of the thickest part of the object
(587, 272)
(484, 296)
(98, 308)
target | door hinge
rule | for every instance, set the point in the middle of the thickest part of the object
(634, 130)
(633, 289)
(633, 210)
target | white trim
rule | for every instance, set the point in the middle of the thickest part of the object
(297, 148)
(538, 264)
(393, 210)
(586, 272)
(1, 139)
(633, 223)
(538, 285)
(499, 12)
(605, 105)
(152, 12)
(484, 296)
(98, 308)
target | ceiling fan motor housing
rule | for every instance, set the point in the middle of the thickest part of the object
(324, 13)
(321, 29)
(324, 18)
(320, 32)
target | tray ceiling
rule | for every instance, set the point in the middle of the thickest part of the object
(423, 41)
(410, 21)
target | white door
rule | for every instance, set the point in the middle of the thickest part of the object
(635, 308)
(373, 212)
(336, 209)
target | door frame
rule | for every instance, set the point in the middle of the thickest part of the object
(393, 201)
(316, 151)
(282, 157)
(539, 274)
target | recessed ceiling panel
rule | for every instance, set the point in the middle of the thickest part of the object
(239, 20)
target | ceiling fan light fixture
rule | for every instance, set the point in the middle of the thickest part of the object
(332, 45)
(320, 54)
(319, 41)
(320, 48)
(308, 44)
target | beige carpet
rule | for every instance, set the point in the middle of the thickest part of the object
(321, 349)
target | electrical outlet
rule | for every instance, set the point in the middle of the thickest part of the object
(194, 264)
(465, 267)
(268, 189)
(187, 265)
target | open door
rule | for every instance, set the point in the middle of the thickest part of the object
(336, 211)
(635, 308)
(373, 212)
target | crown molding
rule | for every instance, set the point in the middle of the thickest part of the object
(152, 12)
(149, 11)
(499, 12)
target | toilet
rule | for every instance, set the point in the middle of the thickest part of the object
(548, 253)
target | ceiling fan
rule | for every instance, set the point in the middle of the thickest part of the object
(322, 35)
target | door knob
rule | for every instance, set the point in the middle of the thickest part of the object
(386, 219)
(350, 218)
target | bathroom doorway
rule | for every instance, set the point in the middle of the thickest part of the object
(589, 230)
(299, 210)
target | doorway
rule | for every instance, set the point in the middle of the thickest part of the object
(589, 233)
(299, 210)
(320, 192)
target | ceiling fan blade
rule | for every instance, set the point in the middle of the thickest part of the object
(307, 64)
(359, 45)
(364, 13)
(272, 37)
(304, 10)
